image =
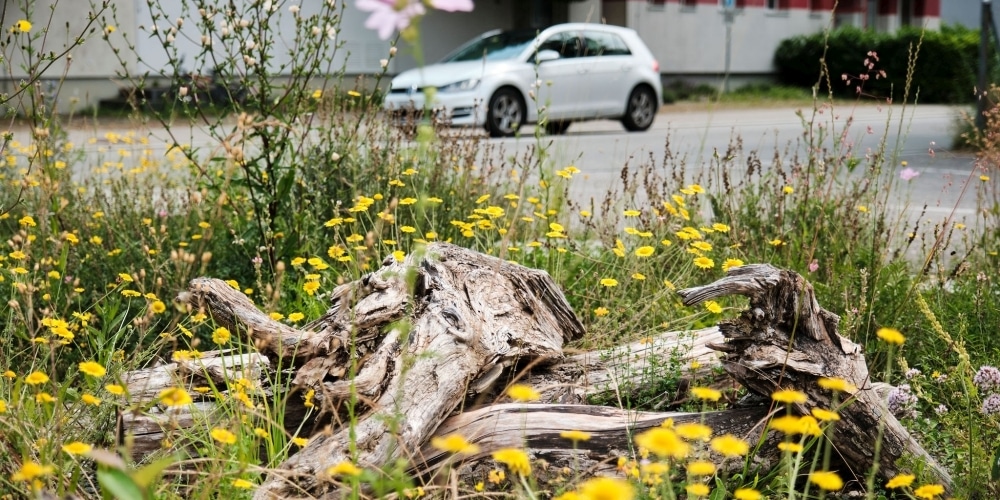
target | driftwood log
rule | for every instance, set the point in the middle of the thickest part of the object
(432, 339)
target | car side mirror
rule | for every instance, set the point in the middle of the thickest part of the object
(546, 55)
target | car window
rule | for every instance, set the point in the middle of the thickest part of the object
(567, 44)
(496, 47)
(599, 43)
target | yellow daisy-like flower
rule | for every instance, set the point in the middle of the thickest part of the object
(575, 435)
(243, 484)
(900, 481)
(44, 397)
(644, 251)
(776, 242)
(609, 282)
(93, 368)
(310, 287)
(344, 468)
(454, 443)
(523, 393)
(730, 445)
(929, 491)
(664, 443)
(789, 396)
(223, 436)
(790, 447)
(891, 335)
(747, 494)
(788, 189)
(984, 178)
(77, 448)
(601, 311)
(631, 213)
(837, 385)
(698, 490)
(731, 263)
(606, 488)
(825, 415)
(516, 460)
(700, 468)
(704, 262)
(713, 307)
(706, 393)
(22, 26)
(301, 442)
(720, 227)
(158, 307)
(90, 399)
(115, 389)
(693, 431)
(31, 470)
(36, 378)
(828, 481)
(173, 396)
(296, 317)
(221, 335)
(704, 246)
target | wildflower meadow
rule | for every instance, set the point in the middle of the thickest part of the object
(298, 183)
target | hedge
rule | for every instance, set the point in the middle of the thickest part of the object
(945, 70)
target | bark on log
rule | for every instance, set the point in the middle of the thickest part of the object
(785, 340)
(467, 316)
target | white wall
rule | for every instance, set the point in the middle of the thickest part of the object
(692, 40)
(442, 32)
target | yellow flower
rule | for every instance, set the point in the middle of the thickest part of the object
(36, 378)
(663, 442)
(496, 476)
(115, 389)
(242, 484)
(696, 188)
(731, 263)
(790, 447)
(31, 470)
(693, 431)
(295, 317)
(788, 189)
(454, 443)
(891, 335)
(984, 178)
(344, 468)
(644, 251)
(900, 481)
(713, 307)
(863, 209)
(789, 396)
(747, 494)
(700, 468)
(631, 213)
(77, 448)
(310, 287)
(223, 436)
(125, 277)
(261, 433)
(706, 393)
(704, 262)
(22, 26)
(730, 445)
(93, 368)
(3, 406)
(575, 435)
(609, 282)
(929, 491)
(516, 460)
(776, 242)
(221, 335)
(301, 442)
(704, 246)
(606, 488)
(698, 490)
(90, 399)
(173, 396)
(829, 481)
(44, 397)
(825, 415)
(837, 384)
(158, 307)
(601, 311)
(523, 393)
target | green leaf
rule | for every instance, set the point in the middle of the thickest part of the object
(145, 476)
(995, 472)
(119, 485)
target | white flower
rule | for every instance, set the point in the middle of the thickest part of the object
(250, 44)
(384, 63)
(180, 22)
(294, 9)
(244, 23)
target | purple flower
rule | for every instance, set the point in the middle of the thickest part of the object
(991, 404)
(941, 409)
(987, 378)
(395, 15)
(908, 174)
(912, 372)
(902, 402)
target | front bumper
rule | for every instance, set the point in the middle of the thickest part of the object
(454, 108)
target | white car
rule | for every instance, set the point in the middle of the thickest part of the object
(566, 73)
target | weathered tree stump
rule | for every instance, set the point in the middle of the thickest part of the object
(416, 342)
(785, 340)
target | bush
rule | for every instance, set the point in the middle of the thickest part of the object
(878, 64)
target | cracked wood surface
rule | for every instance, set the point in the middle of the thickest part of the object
(785, 340)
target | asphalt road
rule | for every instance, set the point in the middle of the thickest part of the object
(919, 135)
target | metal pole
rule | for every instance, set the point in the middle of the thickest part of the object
(985, 25)
(728, 17)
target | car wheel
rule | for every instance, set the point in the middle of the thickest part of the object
(556, 127)
(506, 113)
(640, 110)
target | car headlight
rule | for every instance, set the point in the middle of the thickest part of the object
(461, 86)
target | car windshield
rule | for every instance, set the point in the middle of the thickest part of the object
(494, 47)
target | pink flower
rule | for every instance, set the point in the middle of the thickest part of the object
(908, 173)
(395, 15)
(813, 266)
